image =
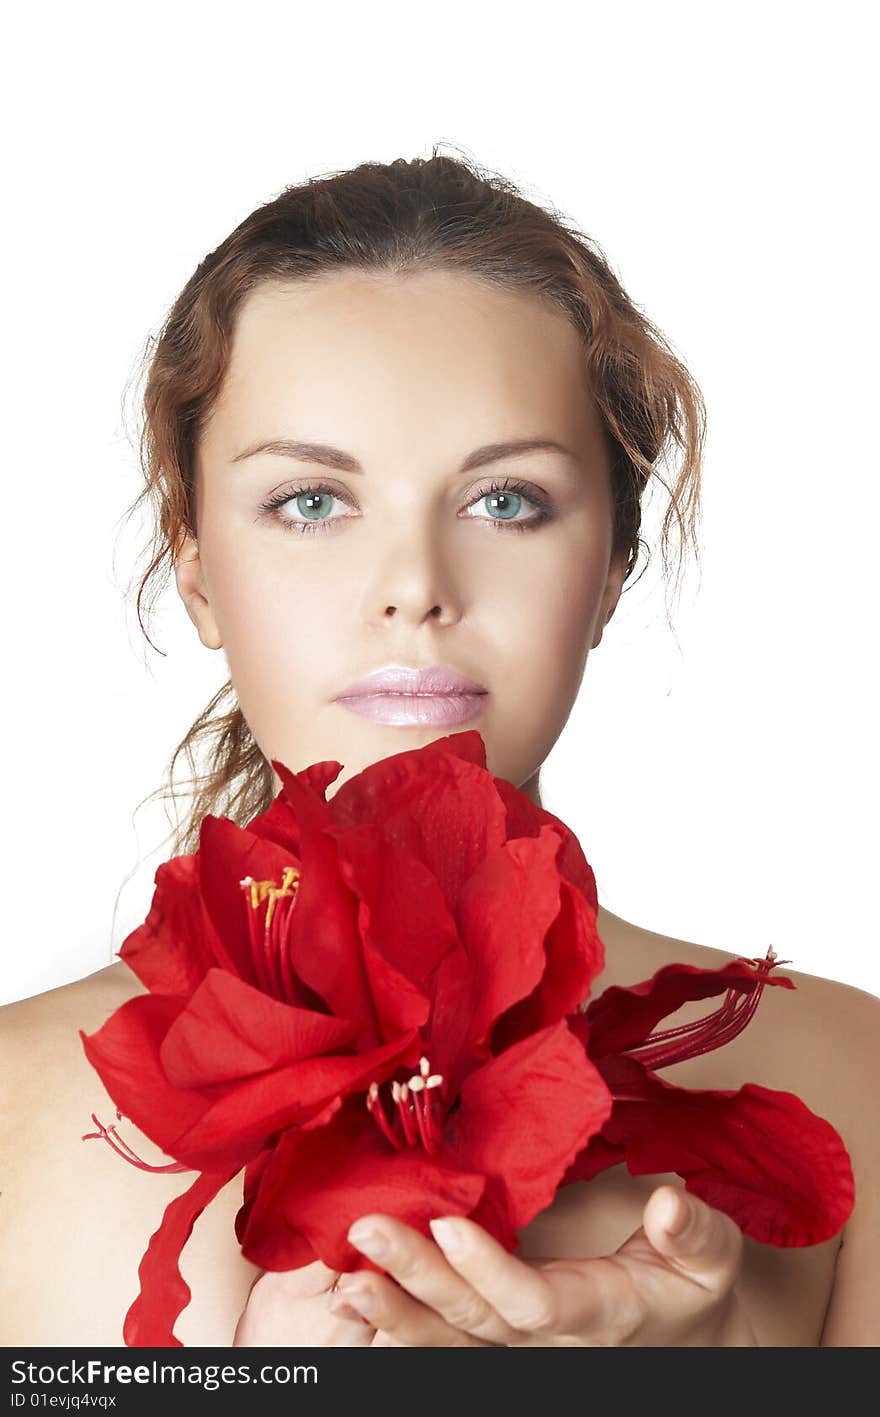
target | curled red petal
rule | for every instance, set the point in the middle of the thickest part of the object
(164, 1293)
(124, 1052)
(781, 1172)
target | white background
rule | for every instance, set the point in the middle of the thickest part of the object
(722, 780)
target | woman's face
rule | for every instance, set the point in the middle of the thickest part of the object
(410, 561)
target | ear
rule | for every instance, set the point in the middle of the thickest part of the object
(189, 574)
(611, 593)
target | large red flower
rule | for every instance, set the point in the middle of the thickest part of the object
(366, 1004)
(372, 1004)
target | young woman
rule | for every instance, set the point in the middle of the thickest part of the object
(402, 420)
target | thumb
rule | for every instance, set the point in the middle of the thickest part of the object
(698, 1240)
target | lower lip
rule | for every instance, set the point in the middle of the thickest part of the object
(400, 710)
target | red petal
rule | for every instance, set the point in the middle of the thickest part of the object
(596, 1156)
(504, 914)
(445, 1036)
(761, 1156)
(239, 1123)
(575, 955)
(526, 1114)
(622, 1017)
(164, 1293)
(402, 914)
(319, 1182)
(176, 944)
(399, 1004)
(230, 1030)
(434, 805)
(325, 946)
(278, 823)
(227, 854)
(525, 819)
(125, 1053)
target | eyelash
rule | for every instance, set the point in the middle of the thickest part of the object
(270, 507)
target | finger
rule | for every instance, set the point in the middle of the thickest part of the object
(558, 1298)
(698, 1240)
(406, 1322)
(302, 1283)
(278, 1308)
(420, 1268)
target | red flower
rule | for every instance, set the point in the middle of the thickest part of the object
(365, 1004)
(760, 1156)
(372, 1004)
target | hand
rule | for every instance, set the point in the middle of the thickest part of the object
(667, 1286)
(290, 1308)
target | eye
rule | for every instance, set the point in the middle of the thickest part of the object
(313, 503)
(506, 498)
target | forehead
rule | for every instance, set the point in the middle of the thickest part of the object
(437, 354)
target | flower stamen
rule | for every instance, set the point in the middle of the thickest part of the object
(666, 1046)
(270, 947)
(122, 1148)
(377, 1112)
(412, 1099)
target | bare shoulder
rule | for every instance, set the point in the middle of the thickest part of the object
(821, 1041)
(40, 1047)
(74, 1217)
(86, 1003)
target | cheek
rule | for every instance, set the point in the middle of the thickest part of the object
(276, 627)
(552, 621)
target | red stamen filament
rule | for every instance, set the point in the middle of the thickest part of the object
(664, 1047)
(377, 1112)
(122, 1148)
(400, 1093)
(428, 1128)
(413, 1102)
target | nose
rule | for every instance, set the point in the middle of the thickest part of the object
(411, 579)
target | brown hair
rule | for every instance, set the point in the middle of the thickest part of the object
(408, 215)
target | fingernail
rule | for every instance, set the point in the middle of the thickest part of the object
(342, 1310)
(363, 1299)
(372, 1242)
(678, 1215)
(448, 1236)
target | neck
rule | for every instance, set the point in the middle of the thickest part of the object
(532, 789)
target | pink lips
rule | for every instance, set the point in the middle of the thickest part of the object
(398, 695)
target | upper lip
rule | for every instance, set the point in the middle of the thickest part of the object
(401, 679)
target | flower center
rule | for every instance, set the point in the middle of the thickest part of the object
(413, 1119)
(269, 938)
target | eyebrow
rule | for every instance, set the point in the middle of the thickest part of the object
(328, 456)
